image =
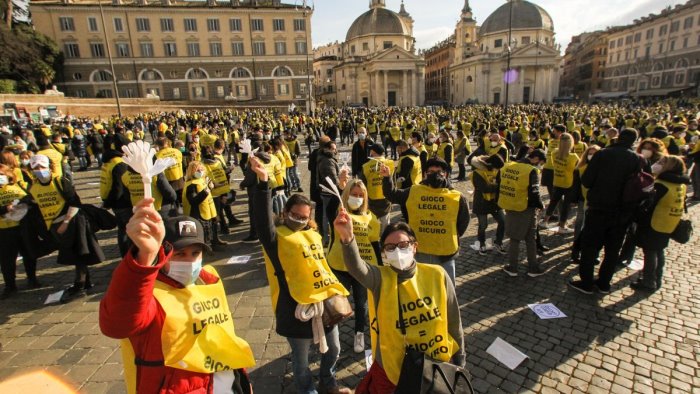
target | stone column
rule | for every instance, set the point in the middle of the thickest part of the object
(414, 88)
(421, 87)
(404, 90)
(375, 93)
(385, 93)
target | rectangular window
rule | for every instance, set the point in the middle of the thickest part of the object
(661, 47)
(118, 25)
(282, 89)
(97, 49)
(259, 48)
(685, 43)
(143, 24)
(71, 50)
(122, 49)
(213, 25)
(192, 49)
(257, 24)
(365, 46)
(167, 24)
(301, 47)
(299, 24)
(146, 49)
(129, 93)
(170, 49)
(672, 46)
(280, 48)
(237, 49)
(650, 34)
(215, 49)
(675, 26)
(176, 93)
(242, 90)
(688, 22)
(235, 25)
(637, 37)
(498, 43)
(663, 30)
(66, 23)
(647, 52)
(278, 24)
(628, 40)
(612, 44)
(302, 88)
(388, 44)
(220, 91)
(104, 93)
(526, 40)
(190, 24)
(92, 24)
(619, 42)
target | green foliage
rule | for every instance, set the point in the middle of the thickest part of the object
(29, 57)
(8, 86)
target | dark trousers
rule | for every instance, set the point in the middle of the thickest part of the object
(359, 298)
(559, 194)
(654, 262)
(500, 218)
(123, 216)
(462, 171)
(11, 246)
(601, 230)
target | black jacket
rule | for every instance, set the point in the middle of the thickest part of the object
(360, 155)
(607, 174)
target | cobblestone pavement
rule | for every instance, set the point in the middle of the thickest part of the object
(622, 342)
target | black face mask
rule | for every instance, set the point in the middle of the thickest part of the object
(436, 180)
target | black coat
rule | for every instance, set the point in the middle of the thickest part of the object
(360, 155)
(607, 174)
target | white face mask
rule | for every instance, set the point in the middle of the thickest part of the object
(399, 259)
(656, 168)
(494, 143)
(590, 157)
(185, 272)
(355, 202)
(647, 154)
(3, 180)
(362, 136)
(198, 174)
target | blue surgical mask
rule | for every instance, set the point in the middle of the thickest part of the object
(43, 175)
(185, 272)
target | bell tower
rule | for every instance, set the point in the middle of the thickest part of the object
(465, 34)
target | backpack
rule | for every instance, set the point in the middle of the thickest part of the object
(638, 187)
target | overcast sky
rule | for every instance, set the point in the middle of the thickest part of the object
(435, 19)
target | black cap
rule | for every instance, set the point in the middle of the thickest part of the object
(378, 149)
(183, 231)
(437, 162)
(538, 153)
(495, 161)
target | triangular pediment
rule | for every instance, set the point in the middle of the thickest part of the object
(535, 50)
(396, 53)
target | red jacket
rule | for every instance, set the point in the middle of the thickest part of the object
(129, 310)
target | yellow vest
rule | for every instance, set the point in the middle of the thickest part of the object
(8, 194)
(49, 199)
(106, 177)
(564, 170)
(306, 270)
(490, 178)
(56, 158)
(395, 133)
(291, 147)
(198, 332)
(416, 170)
(371, 171)
(669, 209)
(274, 172)
(553, 146)
(283, 163)
(441, 153)
(174, 172)
(424, 311)
(432, 214)
(207, 209)
(217, 174)
(287, 156)
(513, 191)
(366, 230)
(580, 149)
(134, 184)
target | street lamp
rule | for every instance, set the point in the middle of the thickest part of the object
(309, 93)
(506, 78)
(109, 56)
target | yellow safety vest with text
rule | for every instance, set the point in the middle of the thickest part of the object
(551, 147)
(306, 270)
(564, 170)
(374, 179)
(366, 230)
(198, 332)
(441, 153)
(134, 184)
(207, 209)
(56, 158)
(669, 210)
(432, 214)
(513, 190)
(490, 178)
(424, 310)
(217, 173)
(106, 177)
(8, 194)
(416, 170)
(50, 200)
(174, 172)
(274, 172)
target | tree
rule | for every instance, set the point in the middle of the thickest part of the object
(29, 57)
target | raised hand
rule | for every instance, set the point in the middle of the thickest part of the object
(146, 230)
(343, 226)
(259, 168)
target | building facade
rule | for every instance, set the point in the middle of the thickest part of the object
(438, 60)
(511, 58)
(657, 55)
(583, 72)
(245, 50)
(376, 64)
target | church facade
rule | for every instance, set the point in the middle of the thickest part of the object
(511, 58)
(376, 65)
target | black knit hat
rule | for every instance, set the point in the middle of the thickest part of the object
(437, 162)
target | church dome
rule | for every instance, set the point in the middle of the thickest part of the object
(377, 21)
(525, 16)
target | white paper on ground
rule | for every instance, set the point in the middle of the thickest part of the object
(54, 297)
(506, 353)
(636, 265)
(93, 183)
(238, 260)
(368, 358)
(547, 311)
(488, 244)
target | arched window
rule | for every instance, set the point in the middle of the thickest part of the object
(150, 74)
(658, 67)
(196, 73)
(682, 63)
(282, 71)
(101, 76)
(240, 73)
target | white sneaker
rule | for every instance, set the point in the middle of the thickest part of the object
(565, 230)
(359, 342)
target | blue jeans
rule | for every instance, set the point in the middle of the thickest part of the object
(300, 362)
(448, 265)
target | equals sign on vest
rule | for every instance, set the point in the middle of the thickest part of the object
(422, 333)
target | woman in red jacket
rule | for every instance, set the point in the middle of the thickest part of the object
(172, 315)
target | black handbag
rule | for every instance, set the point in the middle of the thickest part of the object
(683, 231)
(421, 374)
